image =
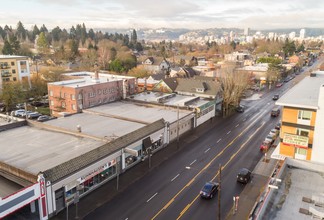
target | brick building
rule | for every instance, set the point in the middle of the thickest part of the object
(87, 90)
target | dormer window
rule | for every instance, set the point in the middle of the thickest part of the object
(200, 90)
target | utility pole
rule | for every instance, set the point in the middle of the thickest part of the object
(219, 191)
(178, 127)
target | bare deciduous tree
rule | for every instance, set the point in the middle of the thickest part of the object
(233, 85)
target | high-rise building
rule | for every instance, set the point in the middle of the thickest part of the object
(302, 33)
(247, 31)
(292, 35)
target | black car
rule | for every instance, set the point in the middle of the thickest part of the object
(244, 175)
(275, 97)
(240, 108)
(278, 125)
(209, 190)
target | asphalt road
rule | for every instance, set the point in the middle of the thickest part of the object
(172, 190)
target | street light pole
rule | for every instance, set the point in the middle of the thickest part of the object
(219, 191)
(178, 127)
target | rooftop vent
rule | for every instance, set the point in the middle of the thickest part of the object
(312, 75)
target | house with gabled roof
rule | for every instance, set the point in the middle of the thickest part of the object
(204, 88)
(148, 61)
(167, 85)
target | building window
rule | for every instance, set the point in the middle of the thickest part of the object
(304, 115)
(73, 106)
(13, 71)
(301, 151)
(80, 96)
(51, 93)
(52, 103)
(302, 132)
(99, 91)
(63, 104)
(92, 94)
(14, 79)
(72, 97)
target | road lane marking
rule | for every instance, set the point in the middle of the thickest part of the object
(229, 132)
(193, 162)
(237, 125)
(184, 187)
(188, 168)
(219, 140)
(151, 197)
(223, 167)
(244, 119)
(207, 150)
(175, 177)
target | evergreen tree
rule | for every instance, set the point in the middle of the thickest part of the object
(42, 43)
(91, 34)
(43, 29)
(6, 50)
(83, 36)
(134, 37)
(56, 33)
(21, 32)
(73, 33)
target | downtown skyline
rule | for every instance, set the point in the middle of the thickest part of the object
(164, 14)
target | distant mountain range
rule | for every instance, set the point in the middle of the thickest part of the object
(173, 34)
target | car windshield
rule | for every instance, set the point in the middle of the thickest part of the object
(207, 187)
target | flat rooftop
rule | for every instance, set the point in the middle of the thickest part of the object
(171, 99)
(296, 184)
(8, 187)
(304, 94)
(12, 57)
(33, 150)
(88, 78)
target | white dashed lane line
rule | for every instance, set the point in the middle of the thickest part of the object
(175, 177)
(151, 197)
(207, 150)
(229, 132)
(219, 140)
(237, 125)
(193, 162)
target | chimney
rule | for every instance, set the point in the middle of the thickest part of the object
(96, 77)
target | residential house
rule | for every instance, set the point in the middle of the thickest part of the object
(302, 129)
(165, 65)
(167, 85)
(208, 88)
(14, 68)
(148, 61)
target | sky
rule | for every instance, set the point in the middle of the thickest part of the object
(198, 14)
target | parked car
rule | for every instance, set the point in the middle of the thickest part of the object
(275, 112)
(44, 118)
(24, 113)
(33, 115)
(240, 108)
(265, 145)
(278, 126)
(275, 97)
(244, 175)
(279, 84)
(271, 137)
(275, 132)
(209, 190)
(20, 105)
(19, 112)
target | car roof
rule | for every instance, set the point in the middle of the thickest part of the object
(244, 171)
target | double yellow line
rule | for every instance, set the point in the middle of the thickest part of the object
(204, 168)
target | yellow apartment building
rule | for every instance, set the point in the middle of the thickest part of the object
(302, 122)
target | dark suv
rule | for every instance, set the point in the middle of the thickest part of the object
(275, 97)
(244, 175)
(275, 112)
(209, 190)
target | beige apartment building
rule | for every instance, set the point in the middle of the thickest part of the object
(14, 68)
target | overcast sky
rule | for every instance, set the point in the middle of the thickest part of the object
(198, 14)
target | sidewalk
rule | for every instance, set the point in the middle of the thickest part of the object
(108, 191)
(253, 190)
